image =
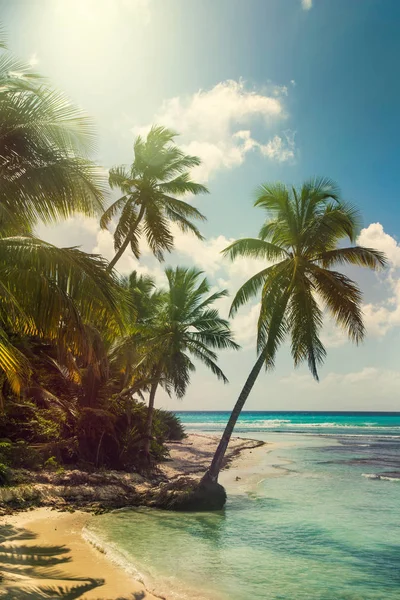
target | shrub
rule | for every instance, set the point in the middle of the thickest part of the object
(170, 424)
(20, 455)
(51, 464)
(5, 452)
(5, 474)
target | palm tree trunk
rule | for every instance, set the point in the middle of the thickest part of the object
(150, 413)
(119, 253)
(211, 476)
(127, 241)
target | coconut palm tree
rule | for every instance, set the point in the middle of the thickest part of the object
(300, 243)
(184, 326)
(45, 175)
(151, 191)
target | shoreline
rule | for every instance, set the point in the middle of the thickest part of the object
(100, 491)
(60, 540)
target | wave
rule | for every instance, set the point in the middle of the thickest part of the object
(379, 476)
(113, 554)
(284, 423)
(124, 561)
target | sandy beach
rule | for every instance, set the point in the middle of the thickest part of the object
(43, 554)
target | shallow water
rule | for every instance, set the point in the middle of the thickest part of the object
(315, 526)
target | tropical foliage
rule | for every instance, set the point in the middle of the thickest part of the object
(184, 325)
(300, 242)
(152, 189)
(63, 312)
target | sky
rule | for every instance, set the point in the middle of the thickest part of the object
(262, 91)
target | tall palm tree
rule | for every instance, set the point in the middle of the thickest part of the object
(45, 175)
(185, 326)
(151, 188)
(300, 245)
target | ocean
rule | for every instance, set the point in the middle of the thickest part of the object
(320, 520)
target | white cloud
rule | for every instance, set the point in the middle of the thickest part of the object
(226, 275)
(370, 387)
(244, 326)
(211, 125)
(128, 263)
(332, 336)
(383, 316)
(292, 81)
(280, 149)
(374, 236)
(33, 60)
(75, 231)
(306, 4)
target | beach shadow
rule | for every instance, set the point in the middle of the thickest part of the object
(23, 566)
(51, 592)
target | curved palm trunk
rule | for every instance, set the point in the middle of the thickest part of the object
(127, 241)
(211, 476)
(119, 253)
(150, 413)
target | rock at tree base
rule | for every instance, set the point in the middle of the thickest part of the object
(187, 494)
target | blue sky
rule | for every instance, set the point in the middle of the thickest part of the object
(262, 90)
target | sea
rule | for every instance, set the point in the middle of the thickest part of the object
(314, 515)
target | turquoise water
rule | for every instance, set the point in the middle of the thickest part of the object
(297, 422)
(319, 521)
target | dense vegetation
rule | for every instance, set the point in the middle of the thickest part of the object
(81, 347)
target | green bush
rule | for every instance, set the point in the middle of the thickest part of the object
(5, 452)
(170, 424)
(5, 474)
(51, 464)
(20, 455)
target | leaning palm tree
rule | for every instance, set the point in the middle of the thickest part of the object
(300, 245)
(185, 326)
(152, 189)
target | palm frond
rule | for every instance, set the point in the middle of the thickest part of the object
(343, 299)
(305, 321)
(355, 255)
(252, 287)
(112, 211)
(255, 248)
(183, 185)
(44, 170)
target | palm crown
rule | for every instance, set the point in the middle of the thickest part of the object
(44, 141)
(300, 238)
(187, 325)
(151, 189)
